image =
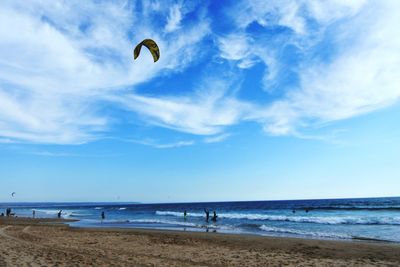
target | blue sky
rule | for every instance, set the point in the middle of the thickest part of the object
(250, 100)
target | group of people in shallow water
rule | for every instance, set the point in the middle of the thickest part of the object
(103, 215)
(8, 213)
(207, 212)
(306, 210)
(214, 217)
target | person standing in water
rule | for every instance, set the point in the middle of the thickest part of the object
(207, 214)
(184, 215)
(33, 214)
(59, 214)
(214, 218)
(103, 216)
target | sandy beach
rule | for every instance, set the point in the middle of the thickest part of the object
(50, 242)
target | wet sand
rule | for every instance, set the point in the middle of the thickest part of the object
(49, 242)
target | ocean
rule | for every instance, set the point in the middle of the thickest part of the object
(345, 219)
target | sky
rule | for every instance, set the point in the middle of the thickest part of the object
(250, 100)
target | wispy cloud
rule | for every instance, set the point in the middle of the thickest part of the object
(206, 112)
(217, 138)
(358, 76)
(363, 76)
(174, 18)
(157, 144)
(45, 153)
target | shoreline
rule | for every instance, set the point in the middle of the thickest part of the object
(219, 232)
(54, 242)
(56, 221)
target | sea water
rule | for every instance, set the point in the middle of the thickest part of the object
(355, 219)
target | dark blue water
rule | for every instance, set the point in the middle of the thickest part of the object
(372, 218)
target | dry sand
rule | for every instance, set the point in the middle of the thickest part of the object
(28, 242)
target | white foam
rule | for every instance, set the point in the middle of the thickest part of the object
(317, 219)
(294, 218)
(54, 212)
(180, 223)
(164, 222)
(303, 233)
(178, 214)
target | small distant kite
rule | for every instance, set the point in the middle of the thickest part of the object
(13, 194)
(151, 45)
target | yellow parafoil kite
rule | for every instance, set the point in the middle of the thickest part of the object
(151, 45)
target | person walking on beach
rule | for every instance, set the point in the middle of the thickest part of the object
(207, 214)
(33, 214)
(59, 214)
(214, 218)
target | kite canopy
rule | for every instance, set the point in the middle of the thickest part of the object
(151, 45)
(13, 194)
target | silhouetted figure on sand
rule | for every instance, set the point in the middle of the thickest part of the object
(214, 218)
(8, 212)
(207, 214)
(33, 214)
(59, 214)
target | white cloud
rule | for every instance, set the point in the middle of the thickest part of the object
(237, 47)
(156, 144)
(328, 11)
(363, 77)
(217, 138)
(174, 18)
(234, 46)
(278, 12)
(359, 75)
(206, 112)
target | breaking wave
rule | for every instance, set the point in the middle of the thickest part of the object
(303, 233)
(299, 219)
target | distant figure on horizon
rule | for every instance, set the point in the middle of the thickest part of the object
(33, 214)
(307, 210)
(293, 211)
(207, 214)
(214, 218)
(59, 214)
(184, 215)
(103, 216)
